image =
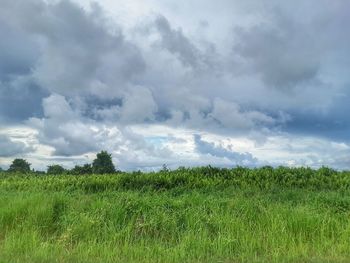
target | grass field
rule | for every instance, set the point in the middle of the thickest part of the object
(187, 215)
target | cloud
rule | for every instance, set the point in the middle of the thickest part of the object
(65, 130)
(293, 150)
(85, 75)
(281, 50)
(16, 59)
(204, 147)
(9, 148)
(19, 94)
(177, 43)
(78, 53)
(20, 99)
(230, 115)
(57, 107)
(138, 106)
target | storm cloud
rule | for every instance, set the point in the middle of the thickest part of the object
(9, 147)
(236, 158)
(87, 76)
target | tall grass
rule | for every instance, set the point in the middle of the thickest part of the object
(188, 215)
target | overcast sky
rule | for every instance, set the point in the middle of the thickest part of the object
(182, 83)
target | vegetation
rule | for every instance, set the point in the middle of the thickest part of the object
(20, 166)
(201, 214)
(103, 163)
(79, 170)
(55, 169)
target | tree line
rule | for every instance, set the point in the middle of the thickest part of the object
(102, 164)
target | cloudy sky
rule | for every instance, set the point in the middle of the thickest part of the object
(182, 83)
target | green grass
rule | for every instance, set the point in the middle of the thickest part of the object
(189, 215)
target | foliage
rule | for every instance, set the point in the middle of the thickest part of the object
(165, 168)
(20, 166)
(55, 169)
(38, 172)
(198, 178)
(80, 170)
(203, 214)
(103, 163)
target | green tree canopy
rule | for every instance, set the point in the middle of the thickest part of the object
(20, 165)
(85, 169)
(103, 163)
(55, 169)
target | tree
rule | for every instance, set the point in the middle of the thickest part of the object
(103, 163)
(165, 168)
(55, 169)
(20, 165)
(85, 169)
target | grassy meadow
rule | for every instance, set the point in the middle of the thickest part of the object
(187, 215)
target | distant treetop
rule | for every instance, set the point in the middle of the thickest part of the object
(103, 163)
(55, 169)
(20, 165)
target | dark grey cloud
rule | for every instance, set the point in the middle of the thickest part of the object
(96, 108)
(204, 147)
(20, 97)
(81, 56)
(9, 148)
(284, 51)
(177, 43)
(85, 57)
(188, 53)
(78, 52)
(333, 123)
(20, 100)
(18, 52)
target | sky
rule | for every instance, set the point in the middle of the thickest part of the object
(181, 83)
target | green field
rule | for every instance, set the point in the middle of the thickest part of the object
(188, 215)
